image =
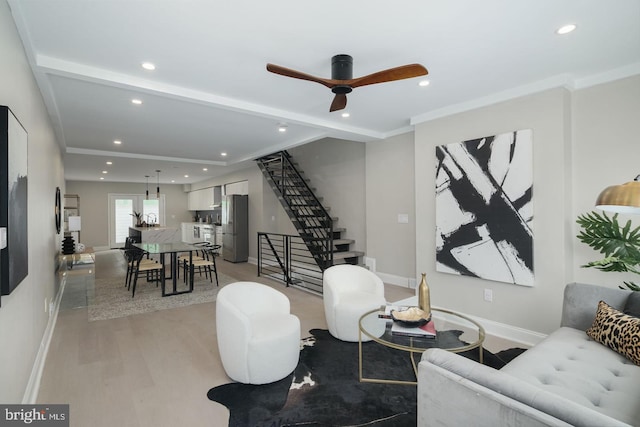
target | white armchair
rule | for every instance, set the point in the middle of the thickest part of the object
(258, 338)
(349, 291)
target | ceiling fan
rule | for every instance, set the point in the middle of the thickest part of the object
(342, 81)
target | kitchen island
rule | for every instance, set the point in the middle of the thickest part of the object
(155, 234)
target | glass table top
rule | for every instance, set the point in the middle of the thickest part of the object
(454, 332)
(160, 248)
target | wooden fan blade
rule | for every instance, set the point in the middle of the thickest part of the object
(339, 102)
(397, 73)
(287, 72)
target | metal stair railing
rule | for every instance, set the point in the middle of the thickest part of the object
(286, 258)
(310, 218)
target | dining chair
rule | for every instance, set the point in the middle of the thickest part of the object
(127, 251)
(207, 263)
(197, 255)
(153, 270)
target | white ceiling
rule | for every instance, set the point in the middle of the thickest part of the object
(211, 92)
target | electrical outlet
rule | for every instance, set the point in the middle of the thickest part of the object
(488, 295)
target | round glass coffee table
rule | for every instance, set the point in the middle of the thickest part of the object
(454, 332)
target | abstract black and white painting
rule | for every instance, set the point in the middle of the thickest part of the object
(484, 208)
(14, 259)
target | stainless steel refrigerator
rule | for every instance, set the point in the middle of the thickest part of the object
(235, 228)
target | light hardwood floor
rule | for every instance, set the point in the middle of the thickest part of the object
(152, 369)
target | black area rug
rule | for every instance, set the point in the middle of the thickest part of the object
(324, 389)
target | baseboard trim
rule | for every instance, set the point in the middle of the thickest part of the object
(33, 386)
(393, 279)
(515, 334)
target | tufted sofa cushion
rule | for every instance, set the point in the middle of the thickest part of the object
(570, 364)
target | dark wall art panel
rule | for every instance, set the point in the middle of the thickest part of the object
(14, 259)
(484, 208)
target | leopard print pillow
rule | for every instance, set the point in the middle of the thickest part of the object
(617, 330)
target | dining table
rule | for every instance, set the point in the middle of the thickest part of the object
(172, 249)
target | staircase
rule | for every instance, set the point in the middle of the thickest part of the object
(310, 218)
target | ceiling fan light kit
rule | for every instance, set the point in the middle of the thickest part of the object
(342, 81)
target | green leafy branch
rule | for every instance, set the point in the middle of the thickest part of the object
(619, 244)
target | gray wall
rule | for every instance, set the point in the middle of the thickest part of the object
(606, 151)
(583, 141)
(94, 206)
(23, 320)
(336, 169)
(391, 191)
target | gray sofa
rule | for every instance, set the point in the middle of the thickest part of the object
(566, 380)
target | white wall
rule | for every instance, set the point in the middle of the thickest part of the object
(23, 320)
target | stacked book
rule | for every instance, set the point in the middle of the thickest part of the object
(427, 330)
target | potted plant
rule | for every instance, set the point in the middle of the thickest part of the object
(620, 245)
(138, 216)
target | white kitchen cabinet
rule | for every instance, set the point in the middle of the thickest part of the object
(192, 200)
(200, 200)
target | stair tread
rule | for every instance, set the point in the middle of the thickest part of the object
(343, 241)
(347, 254)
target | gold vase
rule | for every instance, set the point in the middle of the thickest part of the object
(424, 299)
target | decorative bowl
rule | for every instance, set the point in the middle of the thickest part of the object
(411, 317)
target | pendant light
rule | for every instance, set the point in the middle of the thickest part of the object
(158, 185)
(623, 198)
(147, 176)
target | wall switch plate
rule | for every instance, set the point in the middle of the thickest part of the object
(488, 295)
(403, 218)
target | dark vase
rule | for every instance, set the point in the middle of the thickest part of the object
(68, 245)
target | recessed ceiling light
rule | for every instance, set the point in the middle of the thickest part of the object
(205, 169)
(148, 66)
(223, 154)
(423, 83)
(117, 142)
(566, 29)
(102, 177)
(105, 172)
(173, 180)
(109, 163)
(186, 176)
(345, 115)
(282, 127)
(136, 101)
